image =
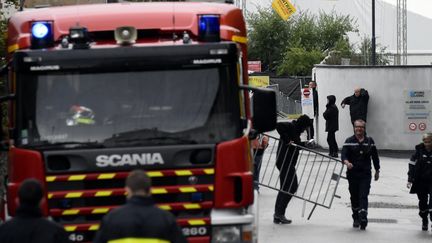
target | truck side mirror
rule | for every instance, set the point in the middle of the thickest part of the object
(264, 110)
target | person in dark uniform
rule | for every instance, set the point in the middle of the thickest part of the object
(286, 161)
(313, 87)
(357, 152)
(259, 144)
(358, 103)
(420, 178)
(140, 218)
(331, 115)
(29, 226)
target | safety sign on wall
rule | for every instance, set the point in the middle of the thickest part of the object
(307, 102)
(417, 111)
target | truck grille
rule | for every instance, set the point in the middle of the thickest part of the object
(79, 201)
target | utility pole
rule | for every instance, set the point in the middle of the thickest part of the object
(373, 35)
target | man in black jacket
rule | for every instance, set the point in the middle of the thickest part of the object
(29, 226)
(286, 161)
(356, 154)
(331, 115)
(420, 178)
(358, 103)
(140, 218)
(313, 87)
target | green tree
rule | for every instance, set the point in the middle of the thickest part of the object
(3, 28)
(364, 55)
(268, 35)
(294, 46)
(332, 29)
(3, 43)
(299, 62)
(3, 35)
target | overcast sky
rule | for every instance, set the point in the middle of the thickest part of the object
(423, 7)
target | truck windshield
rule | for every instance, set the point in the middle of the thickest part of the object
(185, 106)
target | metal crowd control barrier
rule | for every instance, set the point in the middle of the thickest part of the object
(318, 175)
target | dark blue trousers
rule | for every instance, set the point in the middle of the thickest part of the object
(359, 188)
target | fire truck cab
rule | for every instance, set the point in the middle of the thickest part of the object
(96, 91)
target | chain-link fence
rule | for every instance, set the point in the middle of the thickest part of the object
(288, 106)
(285, 105)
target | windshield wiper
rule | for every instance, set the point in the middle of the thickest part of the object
(68, 145)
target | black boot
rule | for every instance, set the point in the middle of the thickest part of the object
(281, 219)
(363, 219)
(356, 223)
(425, 223)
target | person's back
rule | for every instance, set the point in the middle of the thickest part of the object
(140, 218)
(29, 226)
(288, 132)
(331, 115)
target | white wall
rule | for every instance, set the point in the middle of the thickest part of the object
(386, 110)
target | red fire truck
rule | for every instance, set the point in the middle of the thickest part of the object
(99, 90)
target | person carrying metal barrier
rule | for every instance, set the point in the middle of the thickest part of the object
(286, 161)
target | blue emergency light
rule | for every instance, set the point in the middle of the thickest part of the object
(209, 28)
(40, 30)
(41, 35)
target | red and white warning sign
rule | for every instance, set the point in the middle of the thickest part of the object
(307, 102)
(306, 92)
(422, 126)
(412, 126)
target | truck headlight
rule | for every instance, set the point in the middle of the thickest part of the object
(226, 234)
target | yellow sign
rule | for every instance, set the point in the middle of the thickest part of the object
(259, 81)
(284, 8)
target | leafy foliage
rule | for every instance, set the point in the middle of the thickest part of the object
(268, 35)
(294, 46)
(3, 27)
(365, 55)
(298, 61)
